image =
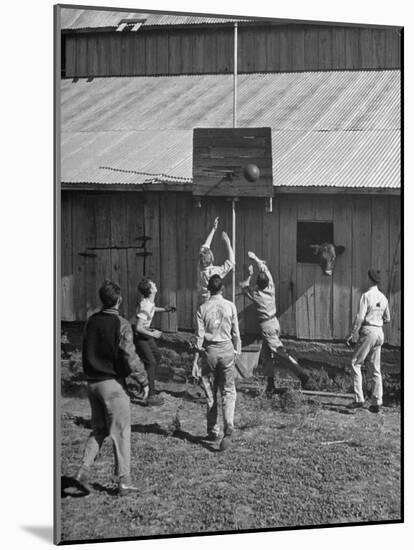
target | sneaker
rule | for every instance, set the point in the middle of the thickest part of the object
(154, 400)
(374, 408)
(125, 489)
(355, 405)
(81, 479)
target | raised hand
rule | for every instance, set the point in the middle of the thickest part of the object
(215, 224)
(252, 255)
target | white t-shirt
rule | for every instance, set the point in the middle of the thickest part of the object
(207, 272)
(145, 312)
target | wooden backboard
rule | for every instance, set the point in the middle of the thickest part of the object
(220, 156)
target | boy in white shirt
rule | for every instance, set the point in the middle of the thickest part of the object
(372, 314)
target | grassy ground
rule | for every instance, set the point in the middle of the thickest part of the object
(292, 462)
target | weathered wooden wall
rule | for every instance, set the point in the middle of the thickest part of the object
(111, 225)
(210, 50)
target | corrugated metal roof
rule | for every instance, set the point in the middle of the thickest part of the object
(339, 129)
(72, 19)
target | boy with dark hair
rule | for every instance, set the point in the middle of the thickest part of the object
(145, 336)
(263, 296)
(218, 335)
(372, 314)
(108, 357)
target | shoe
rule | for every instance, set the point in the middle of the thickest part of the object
(374, 408)
(125, 489)
(225, 442)
(355, 405)
(212, 437)
(81, 479)
(154, 400)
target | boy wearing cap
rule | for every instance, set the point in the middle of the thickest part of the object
(373, 312)
(206, 269)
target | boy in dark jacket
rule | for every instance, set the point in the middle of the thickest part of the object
(108, 357)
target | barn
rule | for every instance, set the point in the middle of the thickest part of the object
(134, 87)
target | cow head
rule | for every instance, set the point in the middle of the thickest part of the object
(327, 254)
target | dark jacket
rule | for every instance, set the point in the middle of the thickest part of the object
(108, 349)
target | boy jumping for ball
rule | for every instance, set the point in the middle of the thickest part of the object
(262, 294)
(206, 269)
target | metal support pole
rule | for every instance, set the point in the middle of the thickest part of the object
(233, 202)
(235, 78)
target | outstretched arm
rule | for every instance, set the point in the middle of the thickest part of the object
(246, 285)
(230, 250)
(261, 265)
(210, 236)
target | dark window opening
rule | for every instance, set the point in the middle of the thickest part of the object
(63, 56)
(309, 233)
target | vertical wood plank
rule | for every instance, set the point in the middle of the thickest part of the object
(92, 283)
(323, 284)
(342, 282)
(224, 61)
(307, 210)
(352, 48)
(162, 54)
(271, 243)
(79, 246)
(151, 53)
(138, 54)
(92, 60)
(272, 49)
(297, 50)
(70, 57)
(114, 51)
(380, 245)
(393, 331)
(184, 264)
(168, 259)
(199, 46)
(393, 49)
(285, 49)
(325, 48)
(66, 233)
(186, 54)
(252, 211)
(361, 248)
(367, 49)
(379, 47)
(174, 52)
(311, 49)
(67, 278)
(135, 264)
(287, 266)
(338, 48)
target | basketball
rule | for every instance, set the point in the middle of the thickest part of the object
(251, 172)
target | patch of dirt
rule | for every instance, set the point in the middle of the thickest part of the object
(294, 460)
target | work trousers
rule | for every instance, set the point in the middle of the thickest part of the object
(217, 374)
(150, 355)
(368, 349)
(111, 416)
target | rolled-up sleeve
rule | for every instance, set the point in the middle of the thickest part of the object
(129, 354)
(387, 316)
